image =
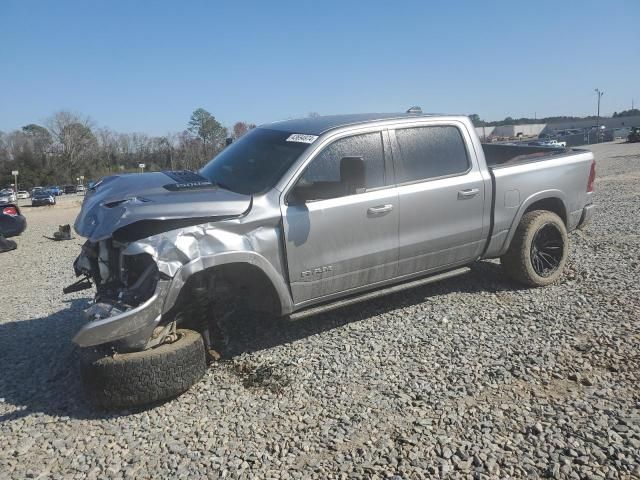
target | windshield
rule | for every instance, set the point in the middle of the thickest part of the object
(255, 163)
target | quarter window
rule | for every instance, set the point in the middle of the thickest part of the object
(430, 152)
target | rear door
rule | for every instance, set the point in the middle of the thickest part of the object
(341, 241)
(441, 196)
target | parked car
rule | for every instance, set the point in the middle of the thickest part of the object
(68, 189)
(12, 222)
(55, 190)
(43, 197)
(304, 216)
(554, 143)
(80, 189)
(7, 195)
(548, 143)
(22, 194)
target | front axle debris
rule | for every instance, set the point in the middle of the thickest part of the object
(82, 284)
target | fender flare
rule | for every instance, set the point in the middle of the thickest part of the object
(247, 257)
(536, 197)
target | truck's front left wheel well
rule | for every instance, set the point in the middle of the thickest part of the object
(250, 284)
(214, 300)
(224, 284)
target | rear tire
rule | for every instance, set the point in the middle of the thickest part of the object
(139, 378)
(538, 251)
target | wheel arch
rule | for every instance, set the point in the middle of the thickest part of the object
(550, 200)
(248, 270)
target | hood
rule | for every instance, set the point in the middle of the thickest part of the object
(160, 200)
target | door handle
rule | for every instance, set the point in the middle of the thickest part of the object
(469, 193)
(380, 209)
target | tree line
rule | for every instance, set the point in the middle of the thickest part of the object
(478, 122)
(70, 145)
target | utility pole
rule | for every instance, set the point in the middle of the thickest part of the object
(15, 182)
(600, 94)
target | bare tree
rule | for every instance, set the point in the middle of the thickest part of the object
(74, 137)
(239, 129)
(167, 143)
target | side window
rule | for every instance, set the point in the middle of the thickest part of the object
(429, 152)
(334, 172)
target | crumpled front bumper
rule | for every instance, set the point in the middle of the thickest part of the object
(132, 328)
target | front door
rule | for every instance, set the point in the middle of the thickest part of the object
(342, 238)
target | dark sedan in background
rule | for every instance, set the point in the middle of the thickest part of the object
(12, 223)
(42, 197)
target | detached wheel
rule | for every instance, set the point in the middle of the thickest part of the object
(538, 251)
(139, 378)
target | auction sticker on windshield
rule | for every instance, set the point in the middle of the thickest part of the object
(299, 137)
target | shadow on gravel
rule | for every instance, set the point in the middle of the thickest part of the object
(40, 363)
(39, 366)
(254, 332)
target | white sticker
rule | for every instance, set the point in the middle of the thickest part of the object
(299, 137)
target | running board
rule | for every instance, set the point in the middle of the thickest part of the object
(377, 293)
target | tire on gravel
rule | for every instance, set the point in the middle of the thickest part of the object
(517, 262)
(139, 378)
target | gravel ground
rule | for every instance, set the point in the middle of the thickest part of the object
(470, 378)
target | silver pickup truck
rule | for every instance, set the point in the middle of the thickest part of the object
(302, 216)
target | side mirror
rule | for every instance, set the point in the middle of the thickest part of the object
(352, 174)
(300, 194)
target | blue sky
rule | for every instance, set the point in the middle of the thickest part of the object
(145, 66)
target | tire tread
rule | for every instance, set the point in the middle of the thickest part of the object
(517, 263)
(139, 378)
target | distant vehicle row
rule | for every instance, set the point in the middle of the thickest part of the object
(8, 195)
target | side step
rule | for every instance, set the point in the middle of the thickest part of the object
(377, 293)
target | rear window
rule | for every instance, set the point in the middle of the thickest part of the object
(431, 152)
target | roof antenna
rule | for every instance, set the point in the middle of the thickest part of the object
(414, 109)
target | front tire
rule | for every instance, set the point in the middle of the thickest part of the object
(139, 378)
(538, 251)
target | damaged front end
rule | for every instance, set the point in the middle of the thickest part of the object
(134, 226)
(130, 292)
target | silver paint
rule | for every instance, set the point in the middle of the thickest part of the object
(349, 244)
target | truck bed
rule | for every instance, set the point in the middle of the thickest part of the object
(497, 155)
(523, 174)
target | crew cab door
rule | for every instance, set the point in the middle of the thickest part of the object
(341, 220)
(441, 196)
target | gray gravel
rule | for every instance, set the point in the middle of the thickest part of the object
(470, 378)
